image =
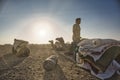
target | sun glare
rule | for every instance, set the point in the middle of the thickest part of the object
(42, 31)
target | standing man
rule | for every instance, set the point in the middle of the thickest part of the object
(76, 31)
(75, 37)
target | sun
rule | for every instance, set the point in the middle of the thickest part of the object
(42, 31)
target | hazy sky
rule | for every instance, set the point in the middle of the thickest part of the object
(25, 19)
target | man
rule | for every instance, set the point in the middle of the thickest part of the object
(76, 31)
(75, 37)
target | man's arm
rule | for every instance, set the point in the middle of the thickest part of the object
(74, 28)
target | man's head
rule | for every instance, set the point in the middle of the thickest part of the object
(78, 20)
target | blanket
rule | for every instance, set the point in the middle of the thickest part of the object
(100, 51)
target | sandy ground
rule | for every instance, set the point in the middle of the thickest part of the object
(31, 68)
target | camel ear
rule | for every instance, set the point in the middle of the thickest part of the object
(56, 39)
(94, 42)
(14, 39)
(27, 42)
(97, 42)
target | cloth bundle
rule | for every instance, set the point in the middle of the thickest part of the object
(101, 54)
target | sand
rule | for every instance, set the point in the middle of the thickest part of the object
(31, 68)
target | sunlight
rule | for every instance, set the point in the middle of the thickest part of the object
(42, 30)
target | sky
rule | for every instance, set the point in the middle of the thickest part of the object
(38, 21)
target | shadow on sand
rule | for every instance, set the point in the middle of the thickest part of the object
(8, 61)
